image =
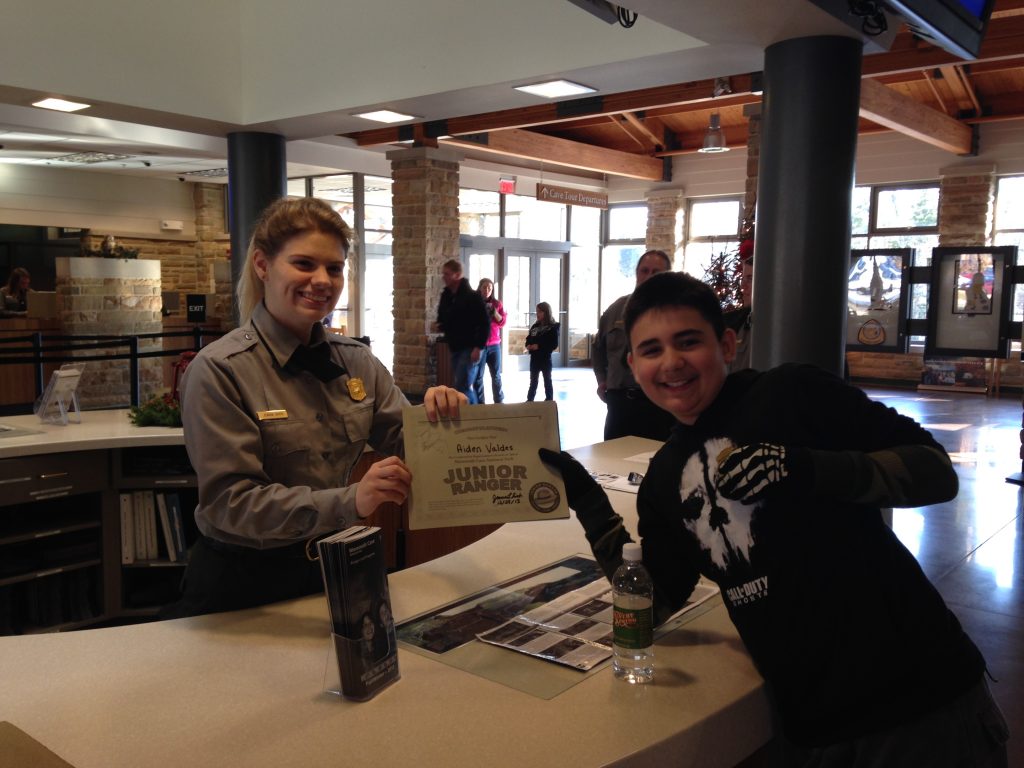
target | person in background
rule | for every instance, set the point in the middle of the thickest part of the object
(541, 341)
(490, 357)
(15, 293)
(629, 410)
(462, 318)
(276, 414)
(772, 485)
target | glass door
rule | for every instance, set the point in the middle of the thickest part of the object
(530, 278)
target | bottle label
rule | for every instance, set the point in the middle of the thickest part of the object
(633, 628)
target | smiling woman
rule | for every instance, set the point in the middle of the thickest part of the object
(276, 415)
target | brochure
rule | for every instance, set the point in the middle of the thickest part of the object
(574, 629)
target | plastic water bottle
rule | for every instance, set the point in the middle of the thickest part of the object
(633, 607)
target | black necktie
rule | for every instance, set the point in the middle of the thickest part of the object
(316, 360)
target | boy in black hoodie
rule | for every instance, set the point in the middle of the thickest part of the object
(772, 485)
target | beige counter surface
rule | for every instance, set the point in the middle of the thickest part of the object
(98, 430)
(246, 688)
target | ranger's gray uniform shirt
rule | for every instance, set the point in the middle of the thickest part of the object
(608, 355)
(270, 479)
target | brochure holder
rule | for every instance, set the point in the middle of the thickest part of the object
(59, 402)
(344, 651)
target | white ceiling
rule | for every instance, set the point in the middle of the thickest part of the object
(169, 81)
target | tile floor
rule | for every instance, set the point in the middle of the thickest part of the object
(972, 548)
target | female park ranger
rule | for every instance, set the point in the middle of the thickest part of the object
(276, 414)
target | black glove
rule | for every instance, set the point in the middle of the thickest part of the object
(603, 527)
(578, 482)
(747, 472)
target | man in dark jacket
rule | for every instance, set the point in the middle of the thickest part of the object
(462, 317)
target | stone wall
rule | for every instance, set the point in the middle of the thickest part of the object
(122, 297)
(118, 297)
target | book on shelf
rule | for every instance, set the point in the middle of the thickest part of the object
(356, 583)
(127, 529)
(152, 544)
(139, 515)
(165, 527)
(177, 524)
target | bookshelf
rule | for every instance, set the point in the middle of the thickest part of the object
(149, 577)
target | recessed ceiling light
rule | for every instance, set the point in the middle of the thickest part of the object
(88, 158)
(61, 105)
(208, 173)
(386, 116)
(553, 89)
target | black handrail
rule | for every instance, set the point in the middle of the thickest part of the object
(31, 351)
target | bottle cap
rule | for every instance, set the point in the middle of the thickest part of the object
(632, 551)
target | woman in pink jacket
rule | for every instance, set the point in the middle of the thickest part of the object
(490, 356)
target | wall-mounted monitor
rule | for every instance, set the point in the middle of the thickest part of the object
(956, 25)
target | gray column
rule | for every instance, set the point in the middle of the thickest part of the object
(808, 146)
(256, 177)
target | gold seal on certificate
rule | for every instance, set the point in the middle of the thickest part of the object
(483, 468)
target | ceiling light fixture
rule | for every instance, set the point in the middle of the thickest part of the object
(88, 158)
(386, 116)
(714, 139)
(208, 173)
(61, 105)
(553, 89)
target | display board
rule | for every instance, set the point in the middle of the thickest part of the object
(970, 301)
(877, 297)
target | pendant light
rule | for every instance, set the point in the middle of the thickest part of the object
(714, 139)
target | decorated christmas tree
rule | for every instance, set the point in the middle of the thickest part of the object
(723, 274)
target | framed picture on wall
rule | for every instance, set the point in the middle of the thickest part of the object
(877, 299)
(970, 301)
(975, 276)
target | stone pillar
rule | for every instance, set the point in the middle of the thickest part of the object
(665, 216)
(425, 199)
(967, 197)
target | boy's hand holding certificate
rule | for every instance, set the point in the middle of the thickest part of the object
(483, 467)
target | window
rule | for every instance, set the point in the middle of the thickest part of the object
(901, 216)
(354, 195)
(713, 227)
(1009, 228)
(583, 279)
(528, 218)
(905, 216)
(479, 213)
(625, 243)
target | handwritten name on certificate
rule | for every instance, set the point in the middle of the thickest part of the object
(483, 467)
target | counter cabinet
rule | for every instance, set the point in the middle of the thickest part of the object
(60, 538)
(61, 489)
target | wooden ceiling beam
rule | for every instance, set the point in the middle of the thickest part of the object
(572, 154)
(656, 142)
(627, 128)
(886, 107)
(930, 79)
(697, 92)
(961, 86)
